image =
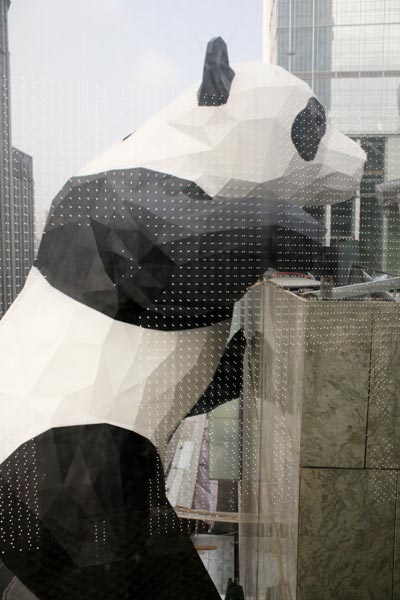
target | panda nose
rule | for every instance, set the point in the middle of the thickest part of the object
(347, 155)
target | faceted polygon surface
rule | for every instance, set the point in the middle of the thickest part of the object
(248, 140)
(308, 129)
(217, 75)
(64, 364)
(227, 383)
(123, 325)
(150, 249)
(84, 516)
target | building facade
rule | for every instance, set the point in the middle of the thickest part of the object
(16, 190)
(7, 253)
(23, 193)
(349, 53)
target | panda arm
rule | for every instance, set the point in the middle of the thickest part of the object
(227, 383)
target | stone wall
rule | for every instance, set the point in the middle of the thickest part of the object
(320, 487)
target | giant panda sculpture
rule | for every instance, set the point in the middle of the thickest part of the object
(125, 318)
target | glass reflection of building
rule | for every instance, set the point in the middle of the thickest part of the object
(349, 53)
(16, 190)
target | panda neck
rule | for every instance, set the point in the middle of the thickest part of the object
(64, 364)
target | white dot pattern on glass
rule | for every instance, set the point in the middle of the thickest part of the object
(143, 257)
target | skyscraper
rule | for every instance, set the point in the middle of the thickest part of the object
(23, 215)
(349, 53)
(7, 254)
(16, 189)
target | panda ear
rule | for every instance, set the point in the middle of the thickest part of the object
(217, 75)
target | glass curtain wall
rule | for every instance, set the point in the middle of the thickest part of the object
(349, 53)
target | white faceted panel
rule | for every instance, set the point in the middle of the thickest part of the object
(248, 139)
(63, 363)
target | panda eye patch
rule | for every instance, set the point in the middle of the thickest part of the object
(308, 129)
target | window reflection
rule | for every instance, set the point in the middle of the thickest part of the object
(349, 53)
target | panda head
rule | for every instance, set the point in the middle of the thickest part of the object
(170, 226)
(250, 129)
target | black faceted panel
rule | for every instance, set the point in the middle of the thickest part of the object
(308, 129)
(154, 250)
(234, 591)
(217, 75)
(6, 578)
(84, 516)
(227, 383)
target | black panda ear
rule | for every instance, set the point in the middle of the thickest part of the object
(217, 75)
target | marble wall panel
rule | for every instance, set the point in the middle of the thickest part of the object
(336, 382)
(383, 447)
(396, 558)
(346, 534)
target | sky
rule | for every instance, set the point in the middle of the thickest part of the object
(85, 73)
